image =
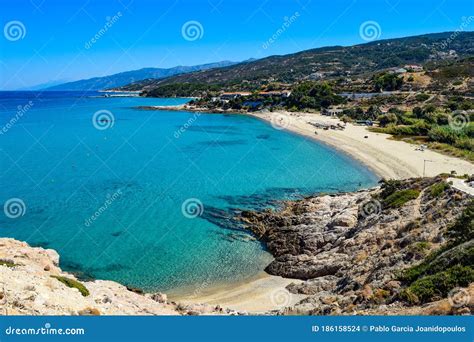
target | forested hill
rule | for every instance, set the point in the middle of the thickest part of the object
(321, 63)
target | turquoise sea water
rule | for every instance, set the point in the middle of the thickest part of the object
(134, 177)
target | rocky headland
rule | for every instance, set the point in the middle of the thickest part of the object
(403, 248)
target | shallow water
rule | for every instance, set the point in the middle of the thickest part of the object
(134, 177)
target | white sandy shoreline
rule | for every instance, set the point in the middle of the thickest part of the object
(259, 294)
(386, 157)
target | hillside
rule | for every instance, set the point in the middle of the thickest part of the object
(321, 63)
(127, 77)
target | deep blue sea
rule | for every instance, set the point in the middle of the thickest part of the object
(143, 197)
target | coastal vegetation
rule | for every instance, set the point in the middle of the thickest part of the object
(437, 189)
(446, 268)
(69, 282)
(312, 95)
(307, 95)
(438, 127)
(7, 263)
(438, 285)
(394, 194)
(182, 90)
(387, 81)
(399, 198)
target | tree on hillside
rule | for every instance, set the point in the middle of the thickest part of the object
(387, 81)
(313, 95)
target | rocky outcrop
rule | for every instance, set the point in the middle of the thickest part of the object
(349, 248)
(30, 285)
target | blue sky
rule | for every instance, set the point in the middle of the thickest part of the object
(149, 33)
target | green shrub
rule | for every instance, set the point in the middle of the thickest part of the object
(389, 186)
(419, 247)
(7, 263)
(437, 189)
(439, 261)
(399, 198)
(418, 250)
(387, 119)
(437, 286)
(443, 134)
(73, 284)
(463, 229)
(420, 127)
(387, 81)
(422, 97)
(465, 144)
(314, 95)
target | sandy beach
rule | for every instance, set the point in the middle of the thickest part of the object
(388, 158)
(259, 294)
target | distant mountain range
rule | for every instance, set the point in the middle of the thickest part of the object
(128, 77)
(322, 63)
(43, 86)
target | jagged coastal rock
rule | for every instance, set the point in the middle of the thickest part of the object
(30, 285)
(350, 248)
